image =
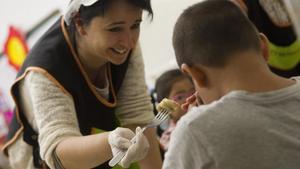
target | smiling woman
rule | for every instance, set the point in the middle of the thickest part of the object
(83, 79)
(108, 38)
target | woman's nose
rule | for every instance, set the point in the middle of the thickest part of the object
(128, 40)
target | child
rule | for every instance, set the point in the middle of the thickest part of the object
(250, 117)
(174, 85)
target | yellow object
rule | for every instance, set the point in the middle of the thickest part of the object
(284, 58)
(15, 48)
(167, 104)
(16, 51)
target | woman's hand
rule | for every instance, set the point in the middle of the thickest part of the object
(119, 140)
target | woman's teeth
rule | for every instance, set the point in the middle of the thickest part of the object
(120, 51)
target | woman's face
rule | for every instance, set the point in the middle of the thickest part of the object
(110, 38)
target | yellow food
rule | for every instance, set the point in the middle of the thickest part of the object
(167, 104)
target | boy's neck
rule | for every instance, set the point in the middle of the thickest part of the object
(258, 81)
(251, 75)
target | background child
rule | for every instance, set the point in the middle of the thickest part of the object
(174, 85)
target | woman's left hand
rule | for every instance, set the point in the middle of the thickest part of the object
(137, 151)
(119, 140)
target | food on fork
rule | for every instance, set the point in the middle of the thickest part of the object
(168, 104)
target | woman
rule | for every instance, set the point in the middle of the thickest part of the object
(82, 79)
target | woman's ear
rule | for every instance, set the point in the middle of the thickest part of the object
(196, 74)
(264, 43)
(79, 25)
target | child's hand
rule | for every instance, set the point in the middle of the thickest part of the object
(192, 101)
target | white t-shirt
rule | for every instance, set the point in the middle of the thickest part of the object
(242, 130)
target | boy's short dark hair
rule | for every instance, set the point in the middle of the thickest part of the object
(210, 32)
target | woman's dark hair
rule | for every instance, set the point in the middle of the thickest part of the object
(87, 13)
(164, 83)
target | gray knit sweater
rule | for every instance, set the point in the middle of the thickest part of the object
(43, 102)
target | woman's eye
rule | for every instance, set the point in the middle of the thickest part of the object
(135, 26)
(116, 29)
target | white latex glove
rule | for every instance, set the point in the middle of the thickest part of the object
(119, 139)
(137, 151)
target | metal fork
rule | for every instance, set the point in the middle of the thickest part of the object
(157, 120)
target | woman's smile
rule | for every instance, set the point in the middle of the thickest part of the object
(119, 50)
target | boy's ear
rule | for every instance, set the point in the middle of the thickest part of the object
(264, 43)
(241, 4)
(79, 25)
(195, 73)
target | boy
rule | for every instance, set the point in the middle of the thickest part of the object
(250, 117)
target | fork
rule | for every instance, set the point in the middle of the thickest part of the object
(157, 120)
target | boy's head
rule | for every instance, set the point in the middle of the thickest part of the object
(211, 34)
